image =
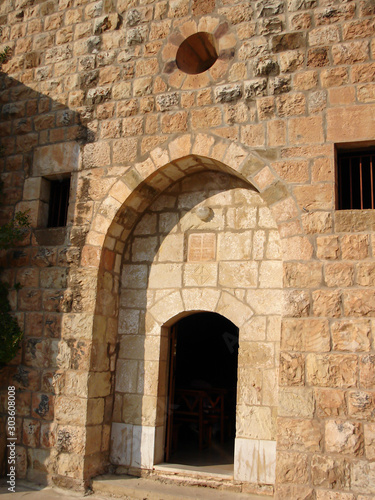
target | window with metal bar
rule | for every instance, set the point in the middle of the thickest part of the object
(355, 179)
(58, 202)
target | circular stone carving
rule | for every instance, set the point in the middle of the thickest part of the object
(197, 53)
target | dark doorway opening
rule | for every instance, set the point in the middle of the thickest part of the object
(202, 391)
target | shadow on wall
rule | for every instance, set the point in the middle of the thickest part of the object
(41, 139)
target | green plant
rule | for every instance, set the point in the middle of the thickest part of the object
(10, 332)
(14, 230)
(5, 55)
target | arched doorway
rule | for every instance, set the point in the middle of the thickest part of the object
(202, 385)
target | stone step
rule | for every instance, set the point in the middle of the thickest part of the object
(151, 488)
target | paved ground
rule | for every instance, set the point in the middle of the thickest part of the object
(29, 491)
(126, 488)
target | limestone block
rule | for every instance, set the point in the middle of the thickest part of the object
(99, 384)
(350, 123)
(361, 404)
(354, 246)
(243, 217)
(330, 402)
(200, 274)
(296, 402)
(305, 335)
(270, 274)
(340, 274)
(292, 369)
(359, 302)
(270, 387)
(254, 329)
(255, 422)
(296, 303)
(144, 248)
(344, 437)
(233, 309)
(165, 276)
(21, 461)
(330, 472)
(168, 222)
(366, 274)
(71, 439)
(300, 275)
(95, 411)
(259, 245)
(292, 467)
(143, 446)
(256, 354)
(249, 386)
(200, 299)
(296, 248)
(331, 370)
(53, 278)
(138, 409)
(351, 336)
(128, 321)
(31, 433)
(265, 302)
(171, 248)
(126, 376)
(295, 491)
(121, 443)
(327, 247)
(327, 303)
(75, 382)
(148, 378)
(369, 430)
(363, 477)
(367, 371)
(56, 159)
(70, 410)
(147, 225)
(133, 299)
(333, 495)
(299, 435)
(255, 460)
(240, 274)
(167, 307)
(190, 220)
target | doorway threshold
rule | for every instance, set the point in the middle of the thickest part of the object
(221, 472)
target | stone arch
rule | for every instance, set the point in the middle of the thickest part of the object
(150, 304)
(113, 221)
(185, 154)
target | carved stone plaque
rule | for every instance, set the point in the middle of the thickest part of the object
(201, 247)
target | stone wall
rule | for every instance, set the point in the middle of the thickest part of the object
(93, 90)
(238, 275)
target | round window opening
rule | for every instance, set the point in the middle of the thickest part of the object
(197, 53)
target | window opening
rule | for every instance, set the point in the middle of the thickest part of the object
(355, 179)
(197, 53)
(58, 202)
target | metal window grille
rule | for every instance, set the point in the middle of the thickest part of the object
(58, 203)
(355, 180)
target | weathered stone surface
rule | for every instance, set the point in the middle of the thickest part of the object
(351, 336)
(330, 472)
(344, 437)
(361, 405)
(363, 477)
(330, 402)
(292, 467)
(299, 435)
(228, 93)
(331, 370)
(292, 369)
(305, 335)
